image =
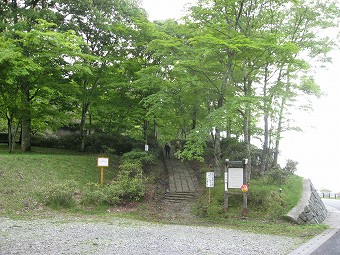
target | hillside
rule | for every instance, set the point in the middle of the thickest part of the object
(25, 177)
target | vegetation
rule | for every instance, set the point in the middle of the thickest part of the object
(49, 181)
(69, 180)
(227, 68)
(268, 201)
(223, 79)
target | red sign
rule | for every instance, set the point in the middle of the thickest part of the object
(244, 188)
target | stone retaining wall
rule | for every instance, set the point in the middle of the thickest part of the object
(310, 209)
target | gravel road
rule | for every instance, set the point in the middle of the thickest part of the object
(125, 236)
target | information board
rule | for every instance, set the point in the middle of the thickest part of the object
(235, 178)
(210, 180)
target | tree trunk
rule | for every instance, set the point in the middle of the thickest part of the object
(194, 117)
(265, 146)
(280, 121)
(217, 153)
(10, 137)
(155, 128)
(26, 120)
(145, 130)
(12, 132)
(82, 126)
(246, 117)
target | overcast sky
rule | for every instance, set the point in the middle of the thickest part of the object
(317, 147)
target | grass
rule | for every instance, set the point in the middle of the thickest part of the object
(266, 200)
(24, 175)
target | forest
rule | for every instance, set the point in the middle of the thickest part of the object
(227, 71)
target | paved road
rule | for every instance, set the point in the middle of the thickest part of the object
(332, 245)
(332, 202)
(327, 243)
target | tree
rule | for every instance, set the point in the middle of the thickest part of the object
(108, 28)
(40, 54)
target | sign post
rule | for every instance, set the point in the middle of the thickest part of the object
(102, 162)
(244, 188)
(225, 203)
(210, 183)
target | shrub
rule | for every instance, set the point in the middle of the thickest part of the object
(130, 169)
(60, 194)
(115, 143)
(290, 167)
(93, 194)
(70, 142)
(129, 184)
(278, 175)
(145, 158)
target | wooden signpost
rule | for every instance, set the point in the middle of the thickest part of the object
(102, 162)
(236, 178)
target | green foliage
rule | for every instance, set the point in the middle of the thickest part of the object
(265, 201)
(118, 144)
(194, 147)
(143, 157)
(127, 186)
(69, 142)
(60, 194)
(280, 176)
(93, 194)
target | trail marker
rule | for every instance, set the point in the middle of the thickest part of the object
(102, 162)
(210, 181)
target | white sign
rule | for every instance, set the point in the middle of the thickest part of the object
(235, 178)
(146, 147)
(210, 180)
(103, 162)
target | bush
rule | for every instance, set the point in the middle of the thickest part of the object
(118, 144)
(60, 195)
(290, 167)
(145, 158)
(129, 186)
(70, 142)
(278, 175)
(93, 195)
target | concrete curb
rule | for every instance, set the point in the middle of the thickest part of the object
(333, 221)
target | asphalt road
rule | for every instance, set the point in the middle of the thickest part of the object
(332, 202)
(332, 245)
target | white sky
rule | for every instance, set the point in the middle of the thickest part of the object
(165, 9)
(317, 147)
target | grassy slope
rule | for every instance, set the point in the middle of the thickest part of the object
(22, 176)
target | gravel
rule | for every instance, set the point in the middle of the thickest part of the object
(125, 236)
